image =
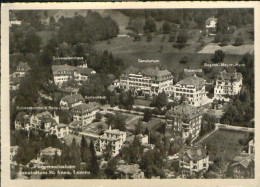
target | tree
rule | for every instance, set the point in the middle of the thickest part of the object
(147, 115)
(150, 25)
(225, 40)
(84, 150)
(138, 127)
(108, 152)
(126, 99)
(222, 25)
(218, 37)
(166, 27)
(219, 56)
(183, 37)
(98, 116)
(117, 121)
(239, 41)
(184, 60)
(94, 168)
(111, 168)
(172, 37)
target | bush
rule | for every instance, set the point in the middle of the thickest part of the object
(239, 41)
(184, 60)
(219, 56)
(218, 38)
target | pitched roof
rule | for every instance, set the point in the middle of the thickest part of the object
(243, 159)
(192, 80)
(23, 65)
(129, 169)
(184, 111)
(65, 67)
(74, 98)
(229, 76)
(82, 108)
(49, 151)
(61, 125)
(149, 72)
(194, 153)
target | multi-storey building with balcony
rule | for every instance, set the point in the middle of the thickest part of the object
(193, 88)
(228, 83)
(113, 137)
(185, 120)
(85, 113)
(193, 161)
(148, 81)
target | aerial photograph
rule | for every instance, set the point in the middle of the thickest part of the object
(132, 93)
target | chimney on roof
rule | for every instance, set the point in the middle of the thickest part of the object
(109, 127)
(195, 75)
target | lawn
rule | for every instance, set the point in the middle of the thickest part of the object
(127, 45)
(171, 60)
(142, 102)
(229, 49)
(225, 144)
(153, 124)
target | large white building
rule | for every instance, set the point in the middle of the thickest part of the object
(85, 113)
(148, 81)
(228, 84)
(193, 88)
(115, 137)
(64, 73)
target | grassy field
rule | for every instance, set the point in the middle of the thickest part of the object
(142, 102)
(230, 49)
(126, 44)
(225, 144)
(171, 60)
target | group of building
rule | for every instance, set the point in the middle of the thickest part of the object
(154, 81)
(64, 73)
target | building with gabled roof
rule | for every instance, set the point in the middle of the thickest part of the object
(50, 152)
(85, 113)
(242, 166)
(71, 100)
(63, 73)
(228, 84)
(185, 119)
(129, 171)
(148, 81)
(193, 160)
(44, 120)
(193, 88)
(22, 69)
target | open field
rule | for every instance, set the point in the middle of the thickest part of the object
(171, 60)
(225, 144)
(230, 49)
(142, 102)
(126, 44)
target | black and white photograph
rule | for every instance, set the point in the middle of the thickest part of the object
(144, 93)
